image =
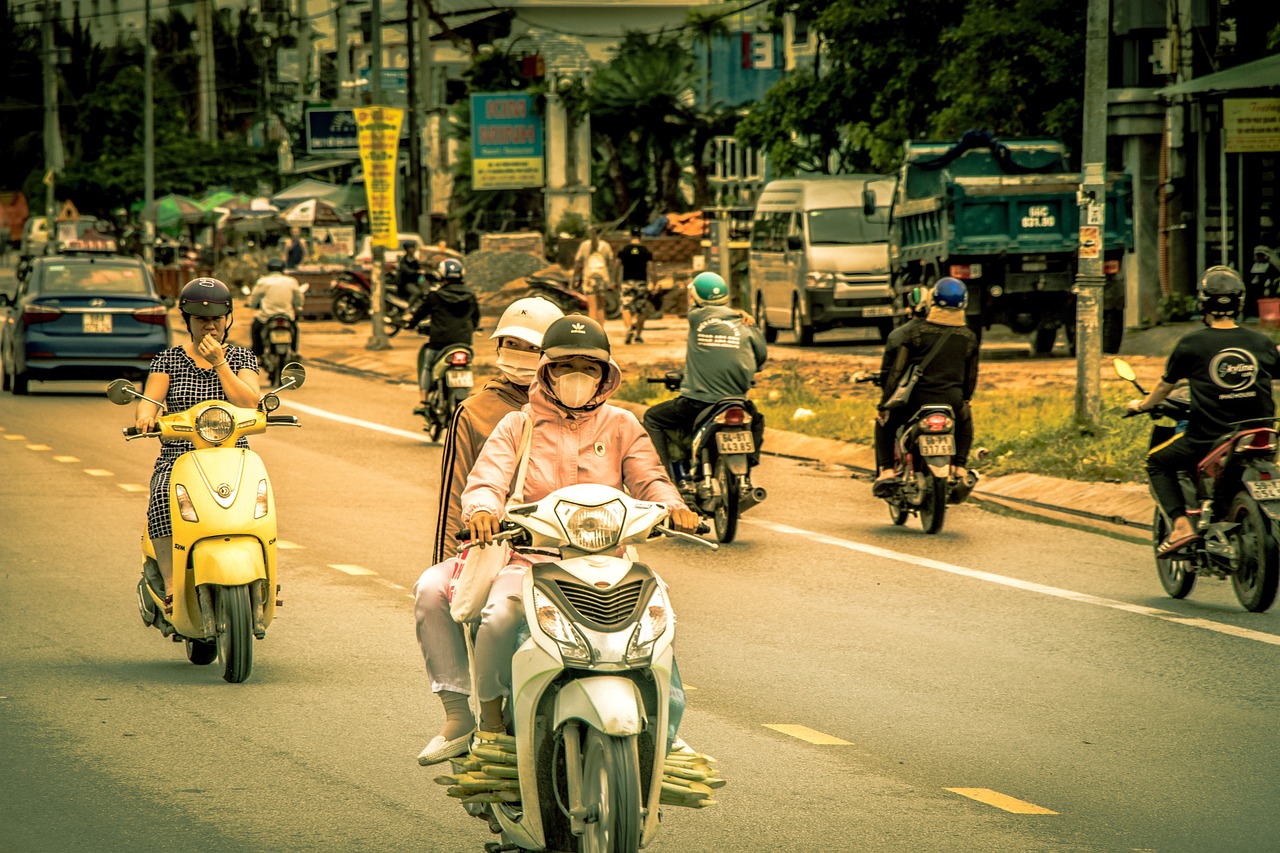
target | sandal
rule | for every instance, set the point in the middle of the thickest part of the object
(1171, 546)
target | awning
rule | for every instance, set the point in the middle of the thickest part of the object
(1259, 74)
(303, 166)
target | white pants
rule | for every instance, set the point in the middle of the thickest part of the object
(444, 649)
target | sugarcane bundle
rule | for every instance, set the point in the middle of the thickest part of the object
(688, 779)
(487, 774)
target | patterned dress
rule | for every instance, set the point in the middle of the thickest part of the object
(188, 385)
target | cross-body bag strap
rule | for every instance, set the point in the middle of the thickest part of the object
(937, 345)
(526, 439)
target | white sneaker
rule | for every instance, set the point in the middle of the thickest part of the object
(439, 749)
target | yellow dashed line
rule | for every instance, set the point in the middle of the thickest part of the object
(98, 472)
(352, 570)
(1001, 801)
(287, 546)
(66, 459)
(39, 447)
(131, 487)
(807, 734)
(15, 437)
(387, 583)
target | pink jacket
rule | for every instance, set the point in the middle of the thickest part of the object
(604, 445)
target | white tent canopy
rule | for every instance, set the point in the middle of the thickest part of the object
(308, 188)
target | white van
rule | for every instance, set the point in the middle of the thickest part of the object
(820, 255)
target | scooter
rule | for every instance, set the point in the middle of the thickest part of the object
(1234, 503)
(451, 380)
(279, 345)
(590, 687)
(224, 529)
(712, 466)
(559, 292)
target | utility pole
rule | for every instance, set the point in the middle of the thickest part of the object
(344, 54)
(148, 141)
(205, 71)
(428, 97)
(414, 195)
(1092, 198)
(378, 341)
(52, 138)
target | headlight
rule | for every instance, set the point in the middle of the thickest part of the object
(822, 279)
(260, 504)
(573, 648)
(215, 425)
(653, 622)
(186, 509)
(592, 528)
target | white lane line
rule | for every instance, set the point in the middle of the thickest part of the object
(352, 570)
(807, 734)
(287, 546)
(387, 583)
(343, 419)
(1015, 583)
(66, 459)
(131, 487)
(1001, 801)
(15, 437)
(39, 447)
(98, 472)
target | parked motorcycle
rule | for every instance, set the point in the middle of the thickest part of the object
(352, 297)
(1233, 501)
(712, 465)
(451, 380)
(224, 535)
(590, 686)
(279, 345)
(559, 292)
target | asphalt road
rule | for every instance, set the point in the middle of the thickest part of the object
(1006, 685)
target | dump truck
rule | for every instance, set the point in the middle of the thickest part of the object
(1003, 217)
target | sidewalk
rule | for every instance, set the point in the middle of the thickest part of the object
(1120, 509)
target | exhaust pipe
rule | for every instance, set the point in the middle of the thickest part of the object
(750, 497)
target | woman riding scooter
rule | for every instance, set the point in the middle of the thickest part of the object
(207, 368)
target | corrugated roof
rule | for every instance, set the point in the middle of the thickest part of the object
(1259, 74)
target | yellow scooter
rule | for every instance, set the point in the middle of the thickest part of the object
(224, 529)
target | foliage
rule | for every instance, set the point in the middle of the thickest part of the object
(573, 225)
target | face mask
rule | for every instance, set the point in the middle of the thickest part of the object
(518, 366)
(575, 390)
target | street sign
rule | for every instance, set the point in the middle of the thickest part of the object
(506, 142)
(332, 132)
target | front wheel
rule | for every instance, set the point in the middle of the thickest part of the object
(802, 333)
(770, 333)
(611, 791)
(1255, 578)
(933, 509)
(726, 513)
(235, 633)
(1174, 573)
(349, 308)
(898, 513)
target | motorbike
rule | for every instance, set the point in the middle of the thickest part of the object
(559, 292)
(590, 687)
(712, 466)
(224, 535)
(451, 382)
(279, 345)
(1233, 500)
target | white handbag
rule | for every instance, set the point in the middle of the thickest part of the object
(482, 565)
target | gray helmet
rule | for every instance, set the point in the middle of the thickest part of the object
(205, 297)
(1220, 292)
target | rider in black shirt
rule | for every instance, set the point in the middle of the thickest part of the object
(454, 313)
(635, 259)
(1229, 371)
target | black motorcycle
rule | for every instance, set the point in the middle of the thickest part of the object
(712, 465)
(451, 380)
(279, 340)
(559, 292)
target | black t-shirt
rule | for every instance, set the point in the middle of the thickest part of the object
(635, 260)
(951, 376)
(1230, 372)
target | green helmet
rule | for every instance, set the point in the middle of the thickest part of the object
(707, 288)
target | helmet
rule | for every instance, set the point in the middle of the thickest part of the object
(1221, 291)
(527, 319)
(450, 269)
(408, 246)
(275, 265)
(916, 300)
(205, 297)
(708, 288)
(575, 334)
(950, 292)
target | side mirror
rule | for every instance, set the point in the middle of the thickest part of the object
(868, 201)
(795, 243)
(121, 392)
(1123, 369)
(292, 376)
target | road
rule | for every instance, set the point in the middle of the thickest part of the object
(1006, 685)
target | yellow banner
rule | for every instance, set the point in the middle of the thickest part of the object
(1253, 124)
(379, 137)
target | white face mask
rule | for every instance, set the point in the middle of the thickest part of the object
(575, 390)
(520, 367)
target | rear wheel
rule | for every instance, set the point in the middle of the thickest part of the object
(1255, 578)
(611, 791)
(18, 382)
(726, 514)
(235, 633)
(201, 653)
(1112, 330)
(802, 333)
(1042, 340)
(770, 333)
(1174, 572)
(349, 308)
(933, 509)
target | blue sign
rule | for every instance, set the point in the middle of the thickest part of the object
(506, 142)
(334, 132)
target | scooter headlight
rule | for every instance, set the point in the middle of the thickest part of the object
(592, 528)
(186, 509)
(260, 504)
(653, 622)
(573, 648)
(215, 424)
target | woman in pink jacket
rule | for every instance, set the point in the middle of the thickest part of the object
(577, 438)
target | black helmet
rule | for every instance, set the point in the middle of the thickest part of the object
(450, 269)
(205, 297)
(575, 334)
(275, 265)
(1220, 292)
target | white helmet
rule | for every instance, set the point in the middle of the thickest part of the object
(527, 319)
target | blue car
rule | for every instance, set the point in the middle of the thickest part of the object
(82, 316)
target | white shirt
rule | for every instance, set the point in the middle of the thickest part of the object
(276, 293)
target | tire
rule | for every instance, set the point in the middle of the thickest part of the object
(726, 514)
(18, 383)
(1042, 340)
(1255, 580)
(201, 653)
(611, 788)
(1112, 330)
(897, 513)
(1174, 576)
(349, 308)
(802, 334)
(933, 509)
(612, 304)
(770, 333)
(4, 378)
(391, 327)
(235, 633)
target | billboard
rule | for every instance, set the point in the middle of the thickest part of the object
(506, 142)
(379, 136)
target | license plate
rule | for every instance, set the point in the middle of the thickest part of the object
(735, 442)
(281, 336)
(937, 445)
(1264, 490)
(97, 324)
(459, 379)
(878, 311)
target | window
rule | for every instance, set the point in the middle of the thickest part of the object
(847, 226)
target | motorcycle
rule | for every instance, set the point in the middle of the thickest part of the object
(279, 345)
(451, 383)
(352, 297)
(1238, 473)
(224, 535)
(712, 466)
(559, 292)
(590, 687)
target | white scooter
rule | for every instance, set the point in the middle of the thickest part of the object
(591, 684)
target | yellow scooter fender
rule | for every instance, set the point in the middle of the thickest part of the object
(228, 561)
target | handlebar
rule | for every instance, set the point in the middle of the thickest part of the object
(282, 420)
(134, 432)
